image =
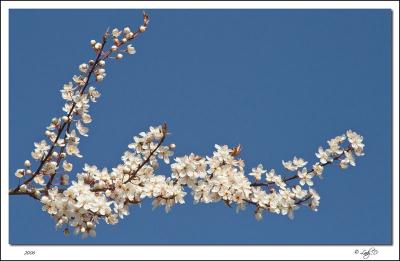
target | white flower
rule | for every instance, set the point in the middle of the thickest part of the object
(83, 67)
(49, 167)
(295, 164)
(356, 142)
(299, 192)
(99, 77)
(315, 199)
(40, 150)
(289, 165)
(93, 94)
(73, 150)
(67, 166)
(130, 49)
(80, 80)
(299, 162)
(288, 207)
(20, 173)
(257, 172)
(39, 179)
(98, 46)
(318, 169)
(119, 56)
(279, 182)
(188, 167)
(67, 92)
(334, 145)
(27, 163)
(72, 138)
(271, 176)
(349, 159)
(259, 197)
(115, 32)
(305, 177)
(324, 155)
(81, 128)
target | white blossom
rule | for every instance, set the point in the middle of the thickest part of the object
(116, 33)
(257, 172)
(83, 67)
(67, 166)
(305, 177)
(130, 49)
(41, 149)
(20, 173)
(324, 155)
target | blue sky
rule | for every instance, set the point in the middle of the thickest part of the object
(279, 82)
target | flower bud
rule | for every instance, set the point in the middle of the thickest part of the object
(89, 224)
(92, 42)
(142, 28)
(127, 30)
(83, 229)
(23, 188)
(102, 62)
(130, 35)
(54, 154)
(65, 118)
(47, 133)
(172, 146)
(37, 193)
(119, 56)
(54, 121)
(27, 163)
(98, 46)
(62, 155)
(130, 49)
(114, 48)
(99, 77)
(126, 170)
(44, 199)
(124, 40)
(91, 62)
(28, 171)
(64, 179)
(83, 67)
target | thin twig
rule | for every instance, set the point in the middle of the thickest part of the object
(133, 175)
(260, 184)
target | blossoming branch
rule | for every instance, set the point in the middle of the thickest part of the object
(102, 194)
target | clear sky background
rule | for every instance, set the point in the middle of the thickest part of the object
(279, 82)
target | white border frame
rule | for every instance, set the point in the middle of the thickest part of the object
(186, 252)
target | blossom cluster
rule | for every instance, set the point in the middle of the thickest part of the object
(100, 194)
